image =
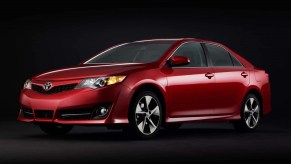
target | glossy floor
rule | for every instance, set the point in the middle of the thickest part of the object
(193, 142)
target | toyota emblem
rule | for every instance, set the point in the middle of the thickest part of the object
(47, 86)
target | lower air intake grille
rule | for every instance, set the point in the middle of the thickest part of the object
(75, 114)
(43, 113)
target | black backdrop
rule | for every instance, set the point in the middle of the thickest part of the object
(36, 37)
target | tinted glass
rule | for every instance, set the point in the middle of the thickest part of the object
(235, 61)
(194, 52)
(218, 55)
(137, 52)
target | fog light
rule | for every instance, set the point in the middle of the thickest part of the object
(103, 111)
(100, 112)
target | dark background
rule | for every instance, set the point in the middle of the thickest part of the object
(39, 36)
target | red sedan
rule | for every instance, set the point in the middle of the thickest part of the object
(144, 85)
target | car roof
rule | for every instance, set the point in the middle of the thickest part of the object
(178, 39)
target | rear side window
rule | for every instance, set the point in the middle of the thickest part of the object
(218, 55)
(235, 61)
(194, 52)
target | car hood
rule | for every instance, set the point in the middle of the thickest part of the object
(88, 71)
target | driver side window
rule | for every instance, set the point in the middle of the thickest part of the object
(194, 52)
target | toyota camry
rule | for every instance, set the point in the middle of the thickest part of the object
(147, 85)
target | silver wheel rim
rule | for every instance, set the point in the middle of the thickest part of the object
(251, 112)
(147, 115)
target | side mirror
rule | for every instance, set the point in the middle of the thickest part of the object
(178, 60)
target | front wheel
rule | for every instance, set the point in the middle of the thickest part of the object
(250, 114)
(55, 129)
(146, 115)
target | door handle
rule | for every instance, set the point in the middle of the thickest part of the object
(209, 75)
(244, 74)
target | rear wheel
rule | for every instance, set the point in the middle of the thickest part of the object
(146, 115)
(250, 114)
(55, 129)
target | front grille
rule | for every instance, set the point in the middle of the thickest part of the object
(43, 113)
(56, 89)
(75, 114)
(27, 113)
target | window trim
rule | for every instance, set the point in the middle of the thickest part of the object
(230, 55)
(206, 60)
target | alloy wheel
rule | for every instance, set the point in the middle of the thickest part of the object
(147, 115)
(251, 112)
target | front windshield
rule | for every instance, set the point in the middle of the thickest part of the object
(137, 52)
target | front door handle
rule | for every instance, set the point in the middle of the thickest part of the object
(209, 75)
(244, 74)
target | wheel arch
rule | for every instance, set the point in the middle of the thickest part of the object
(154, 88)
(257, 93)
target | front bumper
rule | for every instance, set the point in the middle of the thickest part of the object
(115, 97)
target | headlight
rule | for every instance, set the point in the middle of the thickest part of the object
(27, 84)
(100, 82)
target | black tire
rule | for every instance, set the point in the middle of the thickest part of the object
(145, 115)
(55, 129)
(250, 114)
(172, 126)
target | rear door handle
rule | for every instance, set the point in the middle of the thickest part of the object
(244, 74)
(209, 75)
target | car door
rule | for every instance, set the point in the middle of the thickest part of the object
(190, 87)
(231, 79)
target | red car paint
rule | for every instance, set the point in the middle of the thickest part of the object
(189, 94)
